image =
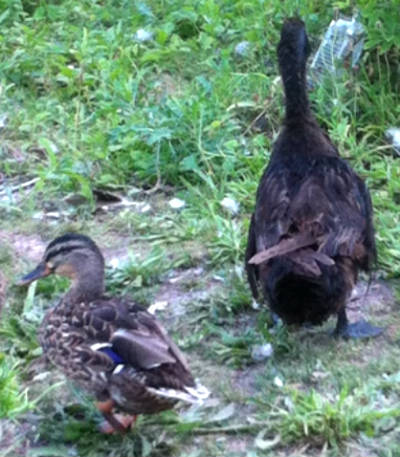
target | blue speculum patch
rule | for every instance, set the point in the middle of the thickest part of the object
(113, 355)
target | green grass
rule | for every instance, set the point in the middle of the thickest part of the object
(86, 107)
(89, 106)
(13, 400)
(312, 416)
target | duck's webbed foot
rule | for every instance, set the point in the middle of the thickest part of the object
(357, 330)
(120, 423)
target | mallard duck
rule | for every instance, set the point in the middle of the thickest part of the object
(312, 228)
(109, 346)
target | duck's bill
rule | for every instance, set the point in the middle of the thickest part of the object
(41, 271)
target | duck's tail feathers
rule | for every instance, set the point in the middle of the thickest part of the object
(193, 395)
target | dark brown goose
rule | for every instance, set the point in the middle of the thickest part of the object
(110, 346)
(312, 229)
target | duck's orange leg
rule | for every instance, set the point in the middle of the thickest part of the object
(114, 422)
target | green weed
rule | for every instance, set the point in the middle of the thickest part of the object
(140, 272)
(13, 400)
(312, 416)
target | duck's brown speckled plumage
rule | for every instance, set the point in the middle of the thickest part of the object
(110, 346)
(70, 329)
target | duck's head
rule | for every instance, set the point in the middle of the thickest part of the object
(75, 256)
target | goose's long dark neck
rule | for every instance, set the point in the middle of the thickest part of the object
(294, 83)
(292, 56)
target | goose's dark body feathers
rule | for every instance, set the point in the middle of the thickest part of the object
(311, 231)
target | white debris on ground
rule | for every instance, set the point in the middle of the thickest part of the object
(3, 121)
(145, 208)
(157, 306)
(15, 192)
(114, 263)
(393, 135)
(230, 205)
(262, 352)
(177, 203)
(242, 48)
(143, 35)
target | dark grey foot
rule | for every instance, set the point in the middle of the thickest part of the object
(357, 330)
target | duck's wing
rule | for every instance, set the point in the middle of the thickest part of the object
(135, 335)
(325, 206)
(334, 206)
(143, 352)
(144, 341)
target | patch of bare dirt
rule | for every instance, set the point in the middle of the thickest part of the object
(119, 252)
(31, 247)
(26, 246)
(245, 381)
(16, 438)
(377, 299)
(237, 446)
(174, 295)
